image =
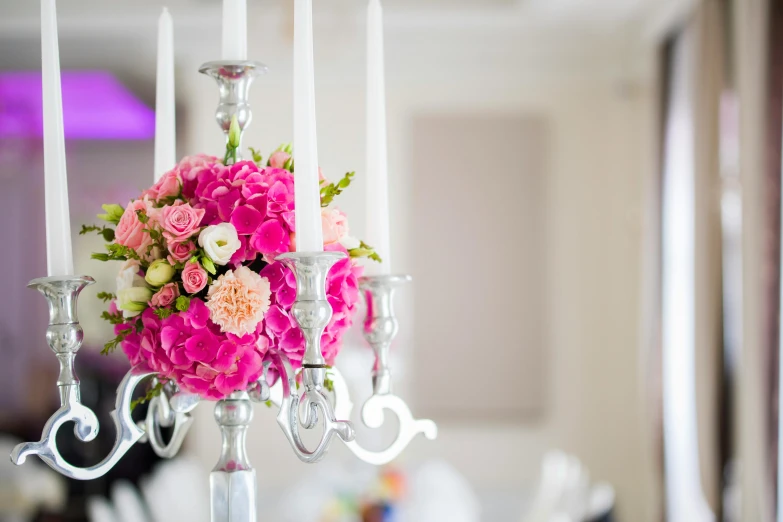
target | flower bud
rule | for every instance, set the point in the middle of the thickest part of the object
(113, 213)
(133, 301)
(234, 133)
(159, 273)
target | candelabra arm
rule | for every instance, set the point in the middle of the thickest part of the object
(233, 481)
(234, 79)
(312, 313)
(380, 329)
(64, 336)
(128, 433)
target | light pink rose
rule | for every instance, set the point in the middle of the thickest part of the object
(168, 185)
(180, 221)
(130, 230)
(165, 296)
(279, 159)
(194, 278)
(180, 252)
(335, 225)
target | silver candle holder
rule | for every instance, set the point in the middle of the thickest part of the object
(233, 485)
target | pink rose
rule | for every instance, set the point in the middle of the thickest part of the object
(165, 296)
(130, 230)
(279, 159)
(180, 252)
(180, 221)
(194, 278)
(335, 225)
(168, 185)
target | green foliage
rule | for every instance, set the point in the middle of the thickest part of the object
(257, 157)
(151, 394)
(143, 217)
(106, 296)
(115, 343)
(182, 303)
(365, 250)
(332, 190)
(106, 232)
(115, 318)
(164, 313)
(116, 252)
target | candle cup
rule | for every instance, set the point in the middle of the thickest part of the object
(64, 333)
(234, 79)
(381, 325)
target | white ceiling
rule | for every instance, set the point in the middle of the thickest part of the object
(16, 15)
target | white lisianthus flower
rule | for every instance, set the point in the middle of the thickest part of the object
(220, 242)
(133, 301)
(132, 292)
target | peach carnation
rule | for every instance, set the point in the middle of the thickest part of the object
(238, 300)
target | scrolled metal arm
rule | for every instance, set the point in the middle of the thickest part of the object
(128, 433)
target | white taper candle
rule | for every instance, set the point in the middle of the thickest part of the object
(309, 232)
(165, 109)
(59, 256)
(377, 234)
(235, 29)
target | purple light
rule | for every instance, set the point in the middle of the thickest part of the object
(96, 106)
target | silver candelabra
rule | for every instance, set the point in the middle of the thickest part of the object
(233, 480)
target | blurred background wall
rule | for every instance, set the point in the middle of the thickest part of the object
(584, 77)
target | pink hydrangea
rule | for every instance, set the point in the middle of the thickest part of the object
(218, 349)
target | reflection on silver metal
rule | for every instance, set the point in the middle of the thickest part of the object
(233, 481)
(380, 329)
(160, 414)
(64, 336)
(234, 79)
(312, 313)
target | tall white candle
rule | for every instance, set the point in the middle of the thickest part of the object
(235, 29)
(59, 255)
(309, 233)
(377, 233)
(165, 112)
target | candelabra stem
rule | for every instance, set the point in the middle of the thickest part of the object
(234, 79)
(233, 481)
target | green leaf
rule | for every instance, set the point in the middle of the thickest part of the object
(164, 313)
(332, 190)
(151, 394)
(100, 257)
(143, 217)
(208, 265)
(257, 157)
(365, 250)
(182, 303)
(108, 234)
(114, 343)
(113, 319)
(106, 296)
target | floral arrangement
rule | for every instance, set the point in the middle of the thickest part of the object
(200, 298)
